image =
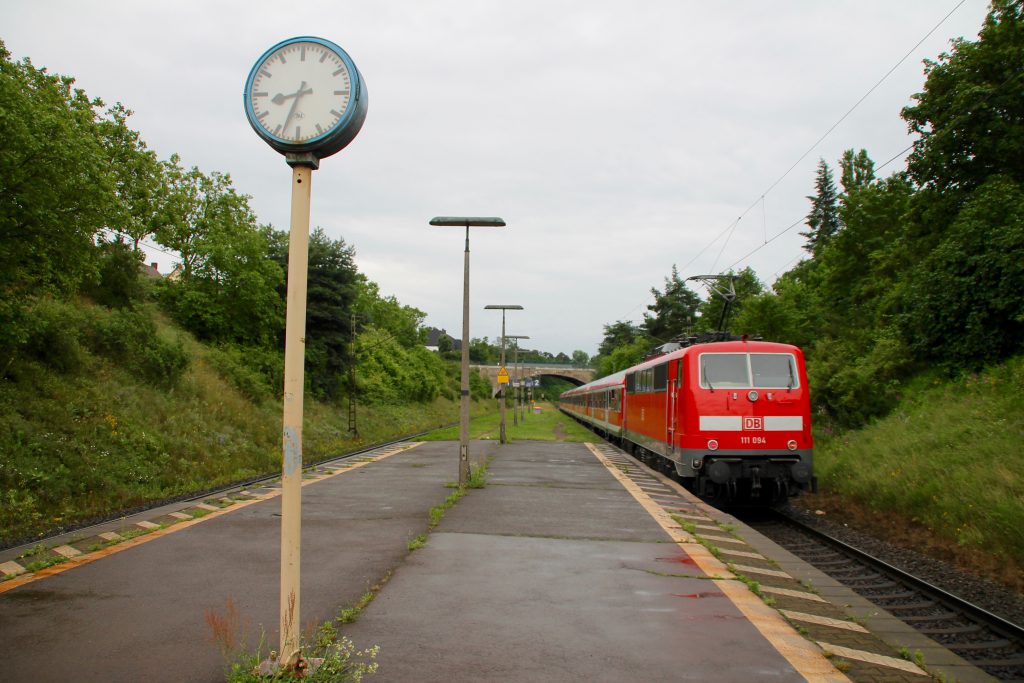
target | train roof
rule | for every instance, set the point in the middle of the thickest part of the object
(737, 346)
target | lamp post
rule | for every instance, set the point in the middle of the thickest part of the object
(518, 375)
(501, 391)
(467, 222)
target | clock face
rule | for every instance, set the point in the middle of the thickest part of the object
(299, 92)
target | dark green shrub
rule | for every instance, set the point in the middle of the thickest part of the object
(132, 339)
(258, 373)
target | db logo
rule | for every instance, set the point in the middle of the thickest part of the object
(753, 424)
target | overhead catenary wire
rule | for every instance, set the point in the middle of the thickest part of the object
(728, 231)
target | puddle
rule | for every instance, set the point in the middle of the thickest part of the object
(696, 596)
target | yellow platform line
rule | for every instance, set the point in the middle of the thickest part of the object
(804, 656)
(81, 560)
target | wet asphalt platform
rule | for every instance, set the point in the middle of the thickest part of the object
(574, 563)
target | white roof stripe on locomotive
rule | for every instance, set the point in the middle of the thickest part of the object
(734, 423)
(783, 423)
(721, 423)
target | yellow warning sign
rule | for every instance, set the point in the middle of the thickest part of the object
(503, 376)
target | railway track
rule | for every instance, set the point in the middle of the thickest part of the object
(986, 640)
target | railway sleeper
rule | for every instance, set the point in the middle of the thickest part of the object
(926, 604)
(979, 647)
(895, 596)
(927, 617)
(950, 631)
(1006, 663)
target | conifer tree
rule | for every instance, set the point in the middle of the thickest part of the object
(823, 220)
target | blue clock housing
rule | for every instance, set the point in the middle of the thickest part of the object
(338, 135)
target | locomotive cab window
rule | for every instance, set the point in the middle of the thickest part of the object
(748, 370)
(724, 371)
(774, 370)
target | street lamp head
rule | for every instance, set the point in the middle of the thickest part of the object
(505, 307)
(467, 221)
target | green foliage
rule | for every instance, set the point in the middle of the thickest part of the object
(968, 115)
(404, 323)
(483, 352)
(228, 291)
(65, 336)
(623, 356)
(55, 183)
(673, 312)
(333, 287)
(390, 373)
(119, 284)
(746, 285)
(338, 661)
(256, 372)
(823, 220)
(947, 458)
(964, 302)
(623, 345)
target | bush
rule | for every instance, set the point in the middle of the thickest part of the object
(119, 284)
(53, 335)
(132, 339)
(258, 373)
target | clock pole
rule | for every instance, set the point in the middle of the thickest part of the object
(294, 381)
(284, 120)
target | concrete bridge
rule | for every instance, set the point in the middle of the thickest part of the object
(571, 373)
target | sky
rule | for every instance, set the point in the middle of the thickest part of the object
(615, 139)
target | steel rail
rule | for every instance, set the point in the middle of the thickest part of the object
(996, 623)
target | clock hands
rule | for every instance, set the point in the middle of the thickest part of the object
(279, 99)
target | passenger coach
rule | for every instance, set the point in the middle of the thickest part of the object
(730, 418)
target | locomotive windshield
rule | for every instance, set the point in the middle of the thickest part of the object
(748, 371)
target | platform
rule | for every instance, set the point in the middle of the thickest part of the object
(574, 563)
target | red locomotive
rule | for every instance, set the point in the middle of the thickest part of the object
(730, 418)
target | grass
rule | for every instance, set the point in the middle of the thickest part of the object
(83, 445)
(948, 465)
(548, 425)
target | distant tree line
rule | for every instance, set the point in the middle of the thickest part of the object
(917, 273)
(81, 195)
(484, 351)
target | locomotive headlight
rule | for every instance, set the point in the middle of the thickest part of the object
(753, 396)
(712, 445)
(792, 444)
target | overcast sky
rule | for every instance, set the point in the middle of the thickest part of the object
(615, 139)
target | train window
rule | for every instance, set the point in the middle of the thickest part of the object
(660, 377)
(745, 371)
(724, 371)
(631, 382)
(774, 370)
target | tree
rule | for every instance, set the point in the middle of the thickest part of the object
(823, 220)
(56, 189)
(746, 286)
(186, 213)
(137, 176)
(617, 334)
(963, 304)
(335, 290)
(970, 116)
(580, 358)
(674, 309)
(858, 171)
(483, 352)
(228, 291)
